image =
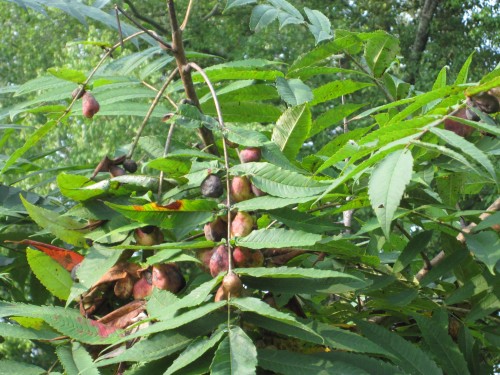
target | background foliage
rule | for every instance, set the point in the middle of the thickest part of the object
(363, 187)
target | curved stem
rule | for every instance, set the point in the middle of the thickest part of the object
(188, 13)
(144, 18)
(226, 158)
(146, 31)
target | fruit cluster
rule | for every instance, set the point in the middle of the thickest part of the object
(486, 102)
(216, 260)
(113, 166)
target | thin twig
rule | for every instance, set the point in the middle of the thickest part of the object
(146, 31)
(108, 53)
(153, 105)
(144, 18)
(379, 85)
(119, 27)
(460, 237)
(424, 256)
(174, 104)
(212, 12)
(186, 17)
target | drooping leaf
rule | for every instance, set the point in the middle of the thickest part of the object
(246, 137)
(387, 185)
(259, 307)
(237, 3)
(194, 351)
(416, 245)
(150, 349)
(236, 354)
(240, 70)
(333, 116)
(65, 356)
(380, 51)
(336, 89)
(244, 111)
(83, 360)
(20, 332)
(292, 129)
(445, 151)
(300, 280)
(486, 247)
(319, 25)
(277, 238)
(408, 356)
(172, 166)
(347, 41)
(10, 366)
(325, 362)
(488, 304)
(68, 322)
(97, 262)
(279, 182)
(442, 346)
(293, 91)
(68, 74)
(268, 202)
(243, 90)
(50, 273)
(80, 188)
(62, 227)
(262, 16)
(451, 262)
(32, 140)
(304, 222)
(66, 258)
(185, 213)
(467, 147)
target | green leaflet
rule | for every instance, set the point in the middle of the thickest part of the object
(408, 356)
(442, 346)
(387, 185)
(277, 238)
(50, 273)
(83, 361)
(194, 351)
(380, 51)
(9, 366)
(292, 129)
(62, 227)
(300, 280)
(468, 148)
(293, 91)
(280, 182)
(236, 354)
(259, 307)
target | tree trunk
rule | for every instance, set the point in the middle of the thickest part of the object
(421, 38)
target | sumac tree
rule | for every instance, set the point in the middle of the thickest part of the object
(244, 252)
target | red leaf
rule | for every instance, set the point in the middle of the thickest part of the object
(66, 258)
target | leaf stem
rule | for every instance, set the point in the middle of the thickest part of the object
(226, 158)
